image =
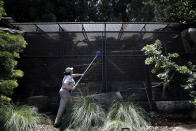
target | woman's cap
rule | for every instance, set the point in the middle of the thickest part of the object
(68, 69)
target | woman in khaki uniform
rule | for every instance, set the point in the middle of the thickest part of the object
(67, 85)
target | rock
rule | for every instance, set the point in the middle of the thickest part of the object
(41, 102)
(172, 106)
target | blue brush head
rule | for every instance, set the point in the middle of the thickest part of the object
(98, 53)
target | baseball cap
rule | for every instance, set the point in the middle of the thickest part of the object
(68, 69)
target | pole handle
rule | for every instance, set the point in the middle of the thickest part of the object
(97, 54)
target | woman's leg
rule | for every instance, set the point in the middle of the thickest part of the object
(62, 105)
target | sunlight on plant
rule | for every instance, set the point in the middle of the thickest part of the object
(127, 115)
(165, 67)
(20, 118)
(87, 114)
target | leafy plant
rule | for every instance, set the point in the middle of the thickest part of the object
(168, 70)
(2, 11)
(124, 114)
(87, 114)
(20, 118)
(174, 10)
(10, 47)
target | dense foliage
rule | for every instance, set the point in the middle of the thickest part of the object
(2, 11)
(20, 118)
(126, 115)
(86, 115)
(168, 70)
(183, 11)
(10, 47)
(76, 10)
(101, 10)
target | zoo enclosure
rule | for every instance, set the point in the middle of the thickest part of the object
(120, 67)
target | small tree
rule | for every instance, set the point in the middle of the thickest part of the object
(10, 47)
(167, 70)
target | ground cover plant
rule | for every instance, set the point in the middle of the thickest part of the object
(86, 114)
(126, 115)
(20, 118)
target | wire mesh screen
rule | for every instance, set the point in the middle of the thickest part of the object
(120, 66)
(125, 65)
(48, 54)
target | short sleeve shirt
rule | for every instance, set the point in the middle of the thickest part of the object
(68, 79)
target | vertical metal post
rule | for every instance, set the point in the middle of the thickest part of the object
(147, 74)
(184, 49)
(104, 70)
(103, 63)
(105, 56)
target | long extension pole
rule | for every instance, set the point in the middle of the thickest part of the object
(97, 54)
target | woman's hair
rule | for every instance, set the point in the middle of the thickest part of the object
(65, 73)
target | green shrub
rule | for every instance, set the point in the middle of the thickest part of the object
(166, 68)
(20, 118)
(2, 11)
(127, 115)
(87, 115)
(10, 47)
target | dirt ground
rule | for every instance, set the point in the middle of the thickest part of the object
(181, 127)
(164, 122)
(161, 122)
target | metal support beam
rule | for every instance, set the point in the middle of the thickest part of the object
(144, 27)
(38, 29)
(165, 27)
(123, 27)
(60, 28)
(84, 33)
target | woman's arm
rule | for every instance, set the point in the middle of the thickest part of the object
(77, 75)
(68, 86)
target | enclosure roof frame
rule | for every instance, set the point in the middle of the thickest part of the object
(95, 27)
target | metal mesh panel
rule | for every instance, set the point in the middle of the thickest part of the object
(63, 44)
(123, 43)
(28, 28)
(125, 72)
(169, 40)
(48, 54)
(43, 76)
(153, 27)
(93, 27)
(125, 65)
(71, 27)
(49, 28)
(44, 45)
(172, 42)
(82, 43)
(119, 68)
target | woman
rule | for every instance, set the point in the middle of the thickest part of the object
(67, 85)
